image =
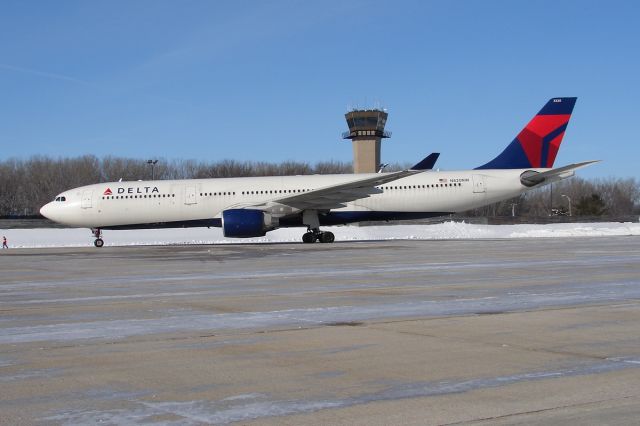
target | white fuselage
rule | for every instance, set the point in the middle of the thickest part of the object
(129, 204)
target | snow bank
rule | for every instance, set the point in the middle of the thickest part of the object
(31, 238)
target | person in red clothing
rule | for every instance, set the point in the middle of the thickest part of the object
(4, 243)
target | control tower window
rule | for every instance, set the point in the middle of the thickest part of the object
(369, 122)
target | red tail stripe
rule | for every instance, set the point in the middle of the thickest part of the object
(542, 125)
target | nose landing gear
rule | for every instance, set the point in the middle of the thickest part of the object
(97, 233)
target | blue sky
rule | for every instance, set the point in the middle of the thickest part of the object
(271, 80)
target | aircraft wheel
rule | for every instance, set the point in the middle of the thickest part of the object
(98, 242)
(308, 238)
(327, 237)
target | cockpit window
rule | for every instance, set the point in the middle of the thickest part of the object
(61, 199)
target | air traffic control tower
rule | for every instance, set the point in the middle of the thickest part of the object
(366, 130)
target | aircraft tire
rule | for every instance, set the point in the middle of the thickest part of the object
(98, 242)
(308, 238)
(327, 237)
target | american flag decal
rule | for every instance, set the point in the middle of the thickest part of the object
(442, 180)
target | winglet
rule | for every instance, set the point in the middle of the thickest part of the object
(427, 162)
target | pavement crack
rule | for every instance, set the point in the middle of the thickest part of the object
(542, 410)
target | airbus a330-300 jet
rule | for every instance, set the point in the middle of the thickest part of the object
(252, 206)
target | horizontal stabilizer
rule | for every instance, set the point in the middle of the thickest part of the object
(533, 178)
(427, 162)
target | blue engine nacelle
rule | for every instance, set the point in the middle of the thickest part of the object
(244, 223)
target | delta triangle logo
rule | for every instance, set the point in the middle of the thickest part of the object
(108, 192)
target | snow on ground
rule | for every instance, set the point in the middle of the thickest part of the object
(31, 238)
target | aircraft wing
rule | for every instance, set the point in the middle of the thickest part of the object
(331, 197)
(532, 178)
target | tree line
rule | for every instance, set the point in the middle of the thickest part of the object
(28, 184)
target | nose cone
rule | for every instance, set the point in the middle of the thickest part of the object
(46, 211)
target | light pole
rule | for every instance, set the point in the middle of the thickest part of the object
(513, 209)
(152, 163)
(568, 199)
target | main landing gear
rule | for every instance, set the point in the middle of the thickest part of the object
(314, 235)
(97, 232)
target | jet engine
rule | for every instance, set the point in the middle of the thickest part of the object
(246, 223)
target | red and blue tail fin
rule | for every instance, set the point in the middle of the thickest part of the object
(536, 146)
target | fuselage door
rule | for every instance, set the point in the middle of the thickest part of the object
(87, 199)
(478, 183)
(190, 195)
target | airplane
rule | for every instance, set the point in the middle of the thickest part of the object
(249, 207)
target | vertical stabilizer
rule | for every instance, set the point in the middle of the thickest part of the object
(537, 145)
